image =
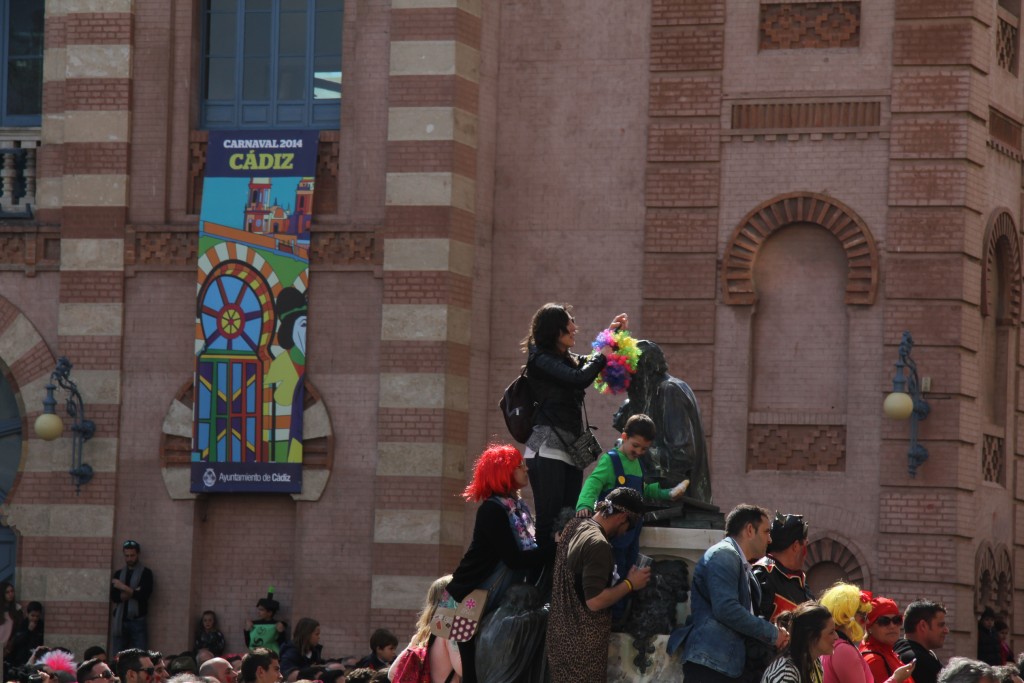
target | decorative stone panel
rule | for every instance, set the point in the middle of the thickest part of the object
(1007, 41)
(1004, 134)
(994, 584)
(787, 116)
(790, 25)
(993, 459)
(796, 447)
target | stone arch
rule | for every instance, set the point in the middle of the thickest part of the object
(993, 571)
(800, 207)
(27, 363)
(1001, 235)
(842, 556)
(176, 444)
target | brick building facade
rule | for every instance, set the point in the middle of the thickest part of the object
(773, 190)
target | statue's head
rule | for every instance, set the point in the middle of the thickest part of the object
(652, 359)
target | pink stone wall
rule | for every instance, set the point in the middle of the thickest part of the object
(569, 176)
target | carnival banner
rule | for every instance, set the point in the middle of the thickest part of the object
(251, 311)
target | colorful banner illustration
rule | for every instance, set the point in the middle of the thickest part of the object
(251, 311)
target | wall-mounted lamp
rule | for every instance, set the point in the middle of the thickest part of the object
(906, 401)
(49, 425)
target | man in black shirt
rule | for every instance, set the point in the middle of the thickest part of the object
(130, 588)
(924, 627)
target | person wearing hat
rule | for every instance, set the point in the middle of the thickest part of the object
(266, 631)
(988, 638)
(130, 589)
(780, 572)
(883, 626)
(585, 585)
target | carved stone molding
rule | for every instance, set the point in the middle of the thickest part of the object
(176, 248)
(758, 225)
(29, 249)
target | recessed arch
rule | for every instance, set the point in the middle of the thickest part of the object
(839, 558)
(1001, 237)
(800, 207)
(993, 570)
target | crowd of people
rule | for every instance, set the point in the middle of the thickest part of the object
(747, 598)
(535, 599)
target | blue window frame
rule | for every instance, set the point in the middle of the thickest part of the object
(21, 78)
(271, 63)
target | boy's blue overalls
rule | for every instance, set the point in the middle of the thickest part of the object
(625, 547)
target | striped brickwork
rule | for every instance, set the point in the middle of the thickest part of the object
(425, 329)
(64, 553)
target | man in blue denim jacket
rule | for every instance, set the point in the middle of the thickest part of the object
(722, 594)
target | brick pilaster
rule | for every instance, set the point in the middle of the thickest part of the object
(682, 187)
(936, 218)
(83, 169)
(426, 331)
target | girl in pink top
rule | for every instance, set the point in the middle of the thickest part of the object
(850, 607)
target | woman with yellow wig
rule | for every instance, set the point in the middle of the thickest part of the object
(850, 607)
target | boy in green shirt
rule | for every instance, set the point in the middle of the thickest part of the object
(621, 467)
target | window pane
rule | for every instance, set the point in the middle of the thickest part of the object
(26, 28)
(220, 79)
(24, 87)
(292, 38)
(222, 5)
(328, 33)
(257, 35)
(221, 35)
(256, 79)
(327, 78)
(291, 78)
(294, 5)
(263, 5)
(322, 5)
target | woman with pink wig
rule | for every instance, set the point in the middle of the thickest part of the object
(504, 548)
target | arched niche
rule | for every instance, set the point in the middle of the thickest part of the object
(800, 207)
(1002, 247)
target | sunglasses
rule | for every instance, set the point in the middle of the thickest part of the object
(108, 674)
(887, 621)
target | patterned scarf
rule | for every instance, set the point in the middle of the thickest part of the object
(521, 521)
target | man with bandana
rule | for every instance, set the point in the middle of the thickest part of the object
(130, 589)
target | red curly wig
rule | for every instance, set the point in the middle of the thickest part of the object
(494, 473)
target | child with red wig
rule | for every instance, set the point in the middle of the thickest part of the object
(504, 549)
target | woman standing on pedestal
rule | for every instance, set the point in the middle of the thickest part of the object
(558, 379)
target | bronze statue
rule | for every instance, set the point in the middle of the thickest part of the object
(679, 451)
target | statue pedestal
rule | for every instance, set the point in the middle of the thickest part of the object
(661, 543)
